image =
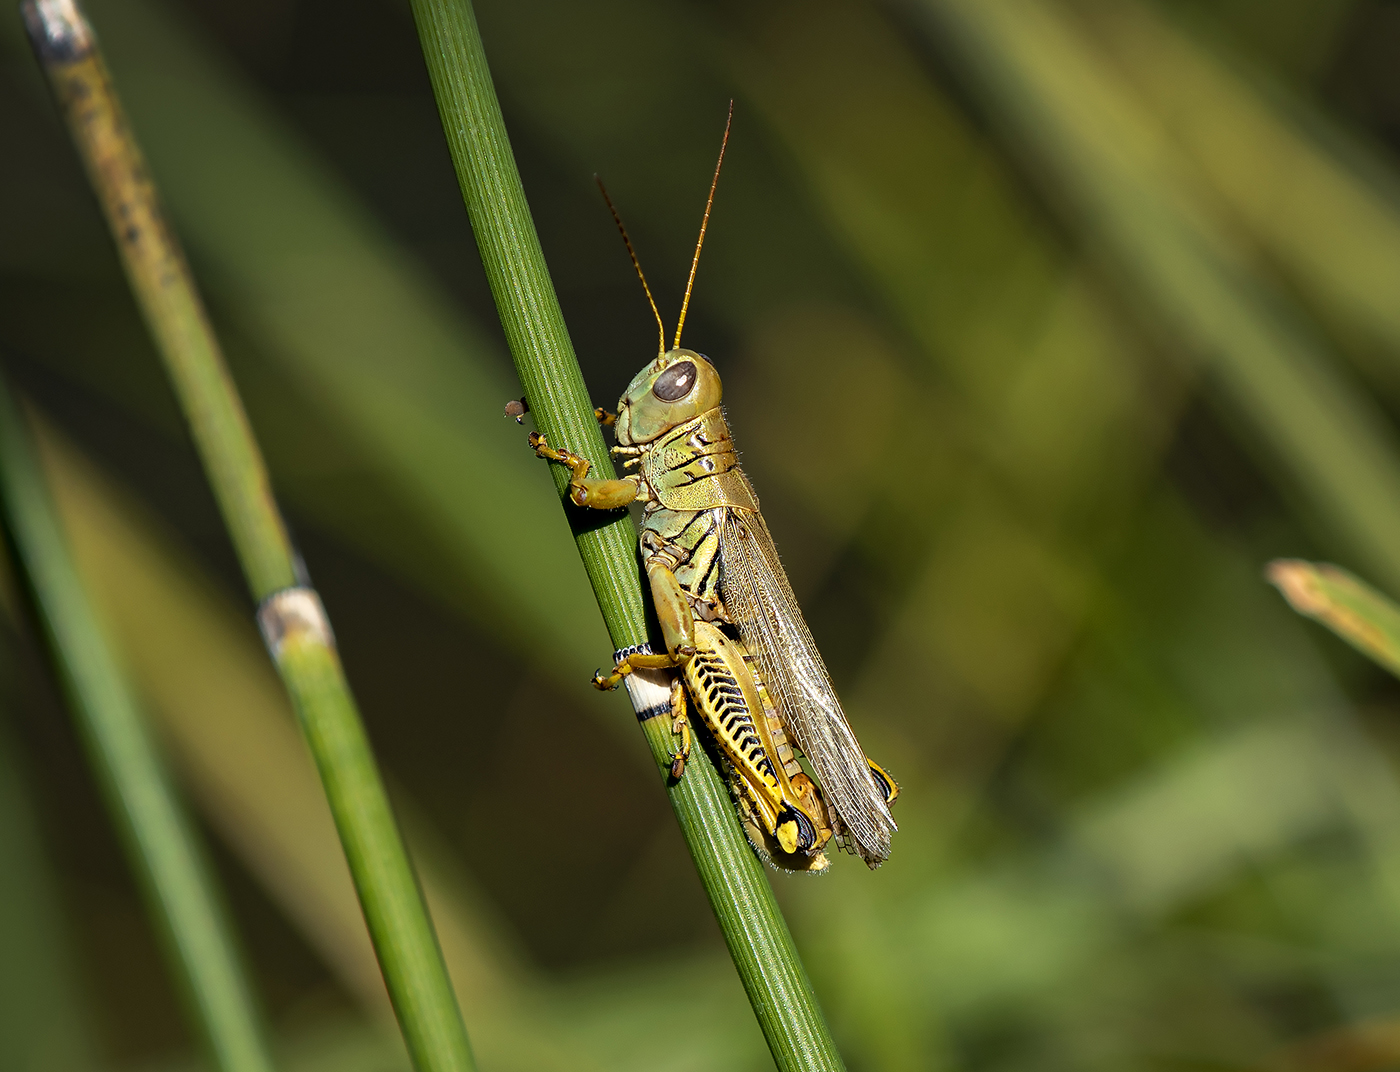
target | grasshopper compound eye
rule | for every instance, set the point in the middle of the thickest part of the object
(675, 383)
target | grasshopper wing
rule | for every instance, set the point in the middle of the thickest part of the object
(760, 603)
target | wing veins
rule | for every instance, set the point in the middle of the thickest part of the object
(760, 601)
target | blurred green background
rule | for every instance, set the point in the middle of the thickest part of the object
(1044, 325)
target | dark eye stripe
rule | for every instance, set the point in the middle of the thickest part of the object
(675, 383)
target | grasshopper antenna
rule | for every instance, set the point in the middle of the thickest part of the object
(660, 327)
(704, 222)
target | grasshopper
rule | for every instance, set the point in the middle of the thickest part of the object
(732, 628)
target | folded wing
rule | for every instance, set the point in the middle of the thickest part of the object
(760, 603)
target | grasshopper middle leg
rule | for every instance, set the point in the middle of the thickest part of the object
(680, 724)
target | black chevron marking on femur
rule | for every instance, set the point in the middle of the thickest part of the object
(736, 706)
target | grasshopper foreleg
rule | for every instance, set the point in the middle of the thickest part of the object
(583, 491)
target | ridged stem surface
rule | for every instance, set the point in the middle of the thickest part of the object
(158, 835)
(754, 929)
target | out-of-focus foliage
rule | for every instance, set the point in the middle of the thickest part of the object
(1044, 325)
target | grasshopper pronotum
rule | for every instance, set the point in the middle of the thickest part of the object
(731, 625)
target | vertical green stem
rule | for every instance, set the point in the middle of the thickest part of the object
(753, 927)
(158, 835)
(525, 298)
(291, 616)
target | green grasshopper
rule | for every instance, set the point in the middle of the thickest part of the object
(730, 622)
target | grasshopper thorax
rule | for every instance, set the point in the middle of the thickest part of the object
(677, 386)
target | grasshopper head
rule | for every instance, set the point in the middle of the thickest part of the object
(677, 386)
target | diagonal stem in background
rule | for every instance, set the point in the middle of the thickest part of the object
(293, 622)
(743, 903)
(159, 837)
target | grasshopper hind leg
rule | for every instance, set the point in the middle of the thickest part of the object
(795, 831)
(887, 785)
(766, 846)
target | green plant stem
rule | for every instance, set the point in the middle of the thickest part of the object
(753, 927)
(291, 616)
(159, 837)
